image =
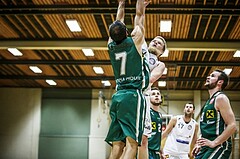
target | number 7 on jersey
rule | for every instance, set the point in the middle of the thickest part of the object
(123, 57)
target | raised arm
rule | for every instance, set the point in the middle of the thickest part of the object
(120, 13)
(121, 10)
(139, 31)
(142, 19)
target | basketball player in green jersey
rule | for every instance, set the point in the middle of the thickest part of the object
(217, 123)
(151, 64)
(154, 142)
(127, 108)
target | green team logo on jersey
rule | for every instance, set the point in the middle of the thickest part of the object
(209, 114)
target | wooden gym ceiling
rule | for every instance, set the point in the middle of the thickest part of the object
(205, 35)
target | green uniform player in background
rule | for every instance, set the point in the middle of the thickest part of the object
(154, 142)
(155, 139)
(217, 123)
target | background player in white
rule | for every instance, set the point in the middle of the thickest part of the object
(155, 49)
(181, 133)
(152, 54)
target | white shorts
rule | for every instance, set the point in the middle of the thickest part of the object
(148, 122)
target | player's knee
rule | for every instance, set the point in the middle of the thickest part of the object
(144, 141)
(118, 145)
(131, 143)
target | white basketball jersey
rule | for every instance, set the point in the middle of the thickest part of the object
(145, 51)
(148, 123)
(153, 61)
(179, 139)
(151, 58)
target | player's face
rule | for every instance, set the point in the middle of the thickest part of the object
(188, 109)
(156, 45)
(155, 97)
(212, 80)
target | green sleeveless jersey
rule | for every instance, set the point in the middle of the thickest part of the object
(127, 65)
(211, 122)
(154, 142)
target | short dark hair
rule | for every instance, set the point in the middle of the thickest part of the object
(157, 89)
(223, 76)
(118, 31)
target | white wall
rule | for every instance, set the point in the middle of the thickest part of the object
(98, 148)
(19, 123)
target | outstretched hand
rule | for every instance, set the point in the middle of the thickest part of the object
(120, 2)
(146, 3)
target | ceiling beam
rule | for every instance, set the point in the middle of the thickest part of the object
(107, 62)
(113, 5)
(163, 78)
(100, 44)
(111, 9)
